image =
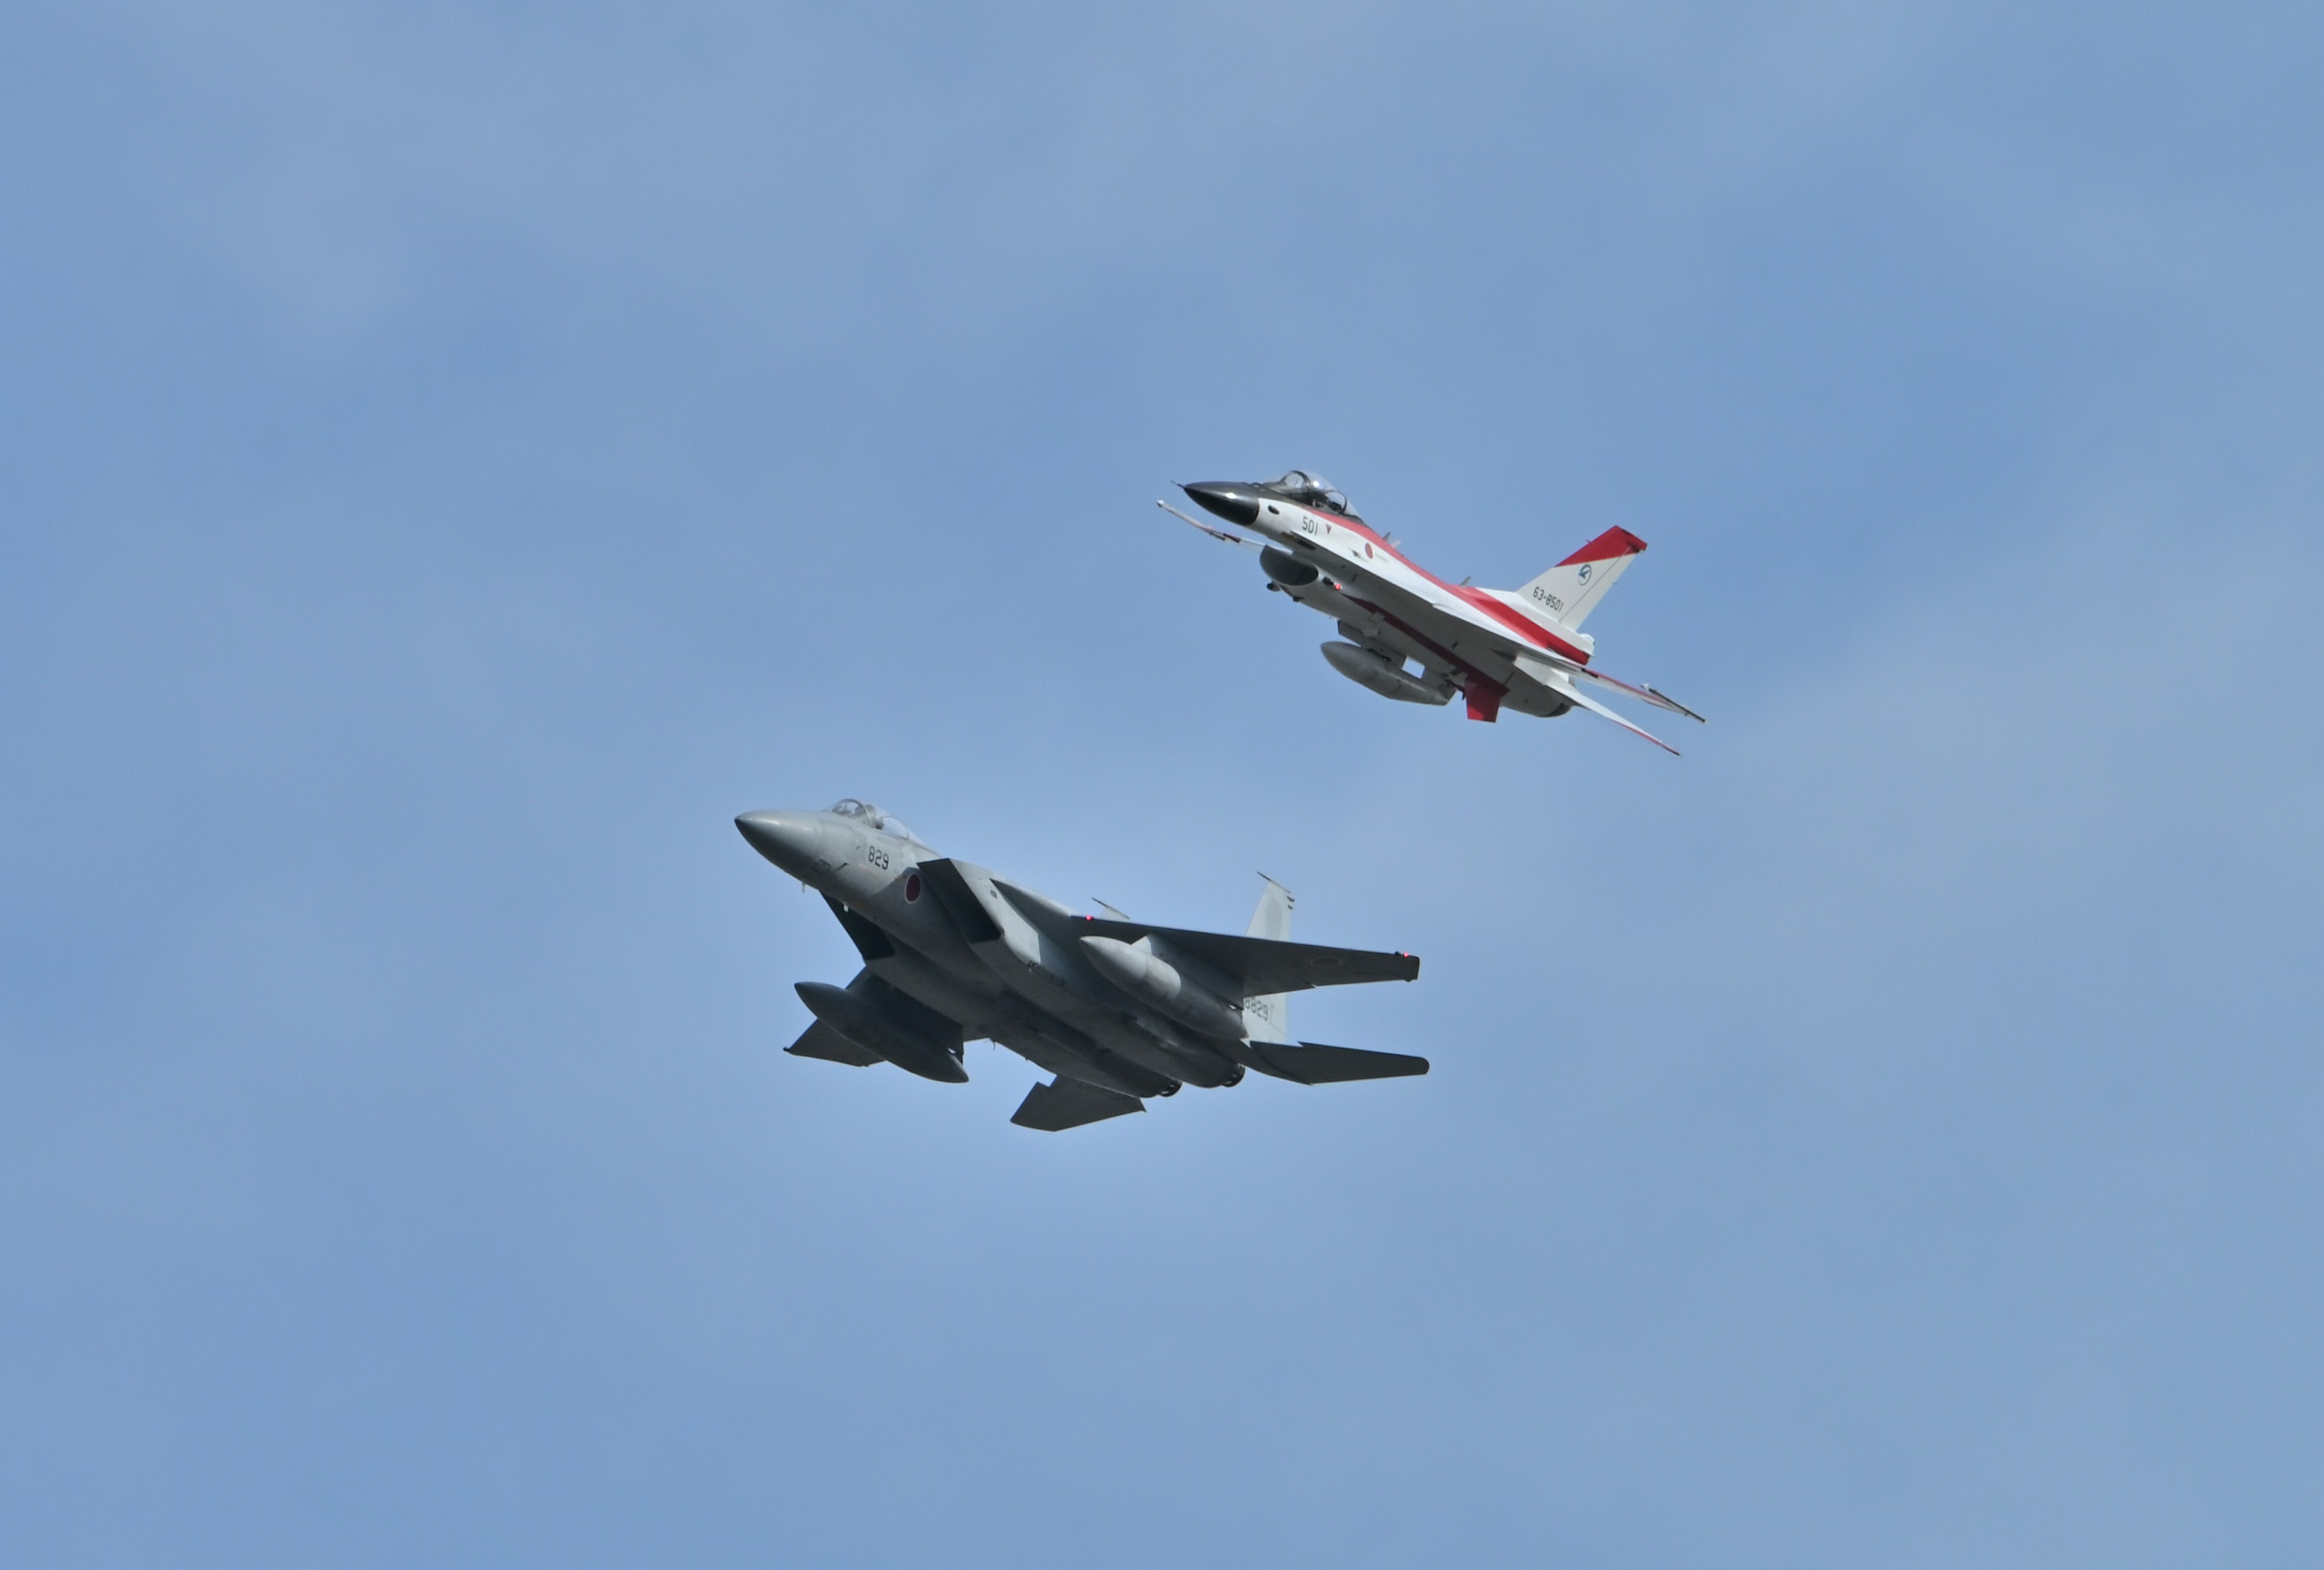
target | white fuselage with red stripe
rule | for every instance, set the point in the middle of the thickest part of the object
(1522, 649)
(1474, 640)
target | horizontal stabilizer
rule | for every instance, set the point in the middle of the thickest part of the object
(1311, 1063)
(1643, 691)
(1600, 710)
(822, 1041)
(1558, 677)
(1069, 1104)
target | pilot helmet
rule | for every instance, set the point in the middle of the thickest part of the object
(1312, 489)
(866, 813)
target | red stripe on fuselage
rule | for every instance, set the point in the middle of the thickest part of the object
(1533, 632)
(1518, 622)
(1477, 680)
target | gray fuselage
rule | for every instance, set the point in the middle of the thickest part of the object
(998, 960)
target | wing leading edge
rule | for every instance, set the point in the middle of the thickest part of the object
(1312, 1063)
(822, 1041)
(1432, 611)
(1069, 1104)
(1265, 964)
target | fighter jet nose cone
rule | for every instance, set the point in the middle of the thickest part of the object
(1235, 503)
(784, 838)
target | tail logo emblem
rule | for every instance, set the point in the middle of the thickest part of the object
(1584, 574)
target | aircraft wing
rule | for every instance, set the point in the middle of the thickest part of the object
(1067, 1103)
(1312, 1063)
(1265, 965)
(1424, 614)
(1579, 672)
(822, 1041)
(1643, 692)
(1560, 681)
(1454, 635)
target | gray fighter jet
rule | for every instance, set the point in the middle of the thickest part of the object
(1117, 1009)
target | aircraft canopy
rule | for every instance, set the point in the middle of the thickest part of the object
(1310, 490)
(871, 816)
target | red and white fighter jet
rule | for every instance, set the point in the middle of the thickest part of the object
(1521, 648)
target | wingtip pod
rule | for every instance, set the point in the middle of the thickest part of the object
(1666, 700)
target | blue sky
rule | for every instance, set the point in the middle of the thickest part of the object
(455, 457)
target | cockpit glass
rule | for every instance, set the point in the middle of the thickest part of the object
(1311, 490)
(872, 817)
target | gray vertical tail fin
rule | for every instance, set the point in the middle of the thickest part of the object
(1268, 1018)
